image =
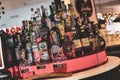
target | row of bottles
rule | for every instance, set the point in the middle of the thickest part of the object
(56, 37)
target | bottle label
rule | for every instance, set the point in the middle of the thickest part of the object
(77, 43)
(43, 51)
(36, 57)
(34, 48)
(85, 42)
(55, 49)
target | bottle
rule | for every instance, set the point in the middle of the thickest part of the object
(36, 53)
(68, 48)
(63, 6)
(29, 54)
(58, 5)
(57, 53)
(100, 40)
(44, 29)
(56, 49)
(59, 22)
(44, 52)
(55, 35)
(35, 29)
(68, 23)
(85, 41)
(77, 43)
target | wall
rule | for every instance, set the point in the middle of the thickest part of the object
(15, 17)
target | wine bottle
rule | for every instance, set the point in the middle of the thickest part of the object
(68, 48)
(85, 41)
(77, 43)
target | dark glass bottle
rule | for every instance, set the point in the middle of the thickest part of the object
(77, 42)
(101, 44)
(58, 5)
(68, 23)
(36, 53)
(55, 35)
(68, 48)
(85, 41)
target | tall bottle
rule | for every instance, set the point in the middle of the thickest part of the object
(85, 41)
(56, 48)
(77, 42)
(44, 29)
(68, 48)
(100, 40)
(58, 5)
(36, 53)
(44, 52)
(59, 22)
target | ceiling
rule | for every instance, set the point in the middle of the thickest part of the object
(14, 4)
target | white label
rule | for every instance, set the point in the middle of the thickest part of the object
(55, 49)
(85, 42)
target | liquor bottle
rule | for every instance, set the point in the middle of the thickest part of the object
(35, 29)
(57, 53)
(58, 5)
(23, 62)
(63, 6)
(56, 49)
(44, 51)
(84, 40)
(55, 35)
(52, 12)
(17, 45)
(58, 17)
(44, 29)
(29, 54)
(53, 8)
(59, 22)
(77, 26)
(68, 23)
(36, 53)
(72, 13)
(100, 40)
(48, 21)
(77, 43)
(68, 48)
